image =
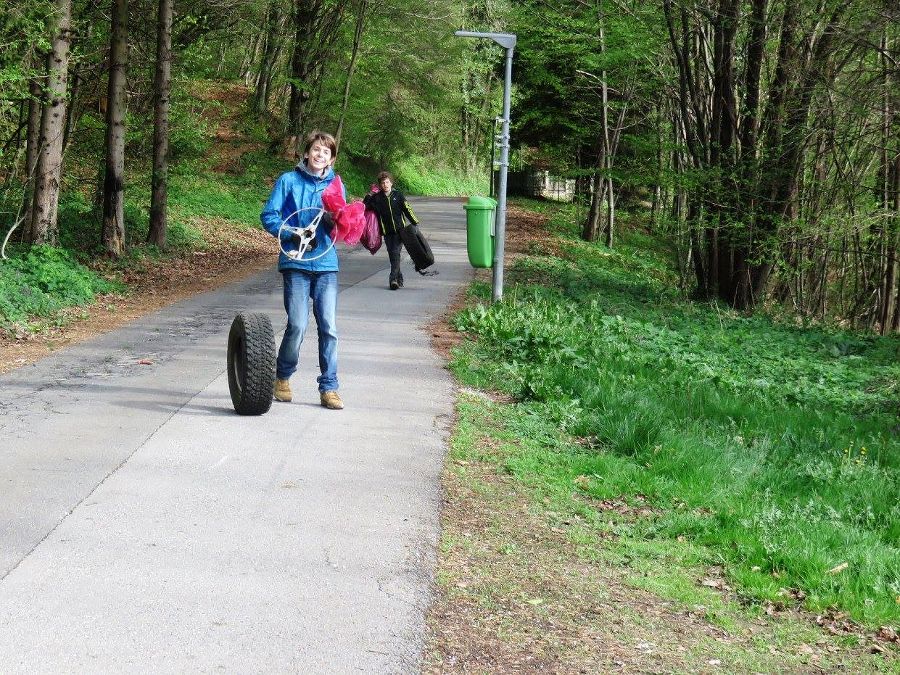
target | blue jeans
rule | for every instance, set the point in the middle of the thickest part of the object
(299, 287)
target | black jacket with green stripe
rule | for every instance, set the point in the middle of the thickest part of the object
(390, 209)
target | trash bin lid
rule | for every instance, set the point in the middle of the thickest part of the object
(480, 203)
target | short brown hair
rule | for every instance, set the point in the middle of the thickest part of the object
(321, 137)
(383, 175)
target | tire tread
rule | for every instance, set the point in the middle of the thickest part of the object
(257, 336)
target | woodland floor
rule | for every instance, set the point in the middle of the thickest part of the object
(159, 284)
(156, 283)
(514, 595)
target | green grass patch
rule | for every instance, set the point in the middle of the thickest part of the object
(357, 175)
(622, 536)
(772, 450)
(419, 176)
(42, 280)
(237, 199)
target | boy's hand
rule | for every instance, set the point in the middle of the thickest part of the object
(297, 239)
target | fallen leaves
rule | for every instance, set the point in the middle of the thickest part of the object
(715, 583)
(889, 634)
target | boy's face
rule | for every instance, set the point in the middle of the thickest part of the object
(386, 185)
(318, 157)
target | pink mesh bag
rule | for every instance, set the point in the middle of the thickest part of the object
(349, 221)
(371, 235)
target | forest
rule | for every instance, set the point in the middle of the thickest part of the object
(759, 138)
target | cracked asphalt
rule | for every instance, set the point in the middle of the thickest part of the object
(146, 527)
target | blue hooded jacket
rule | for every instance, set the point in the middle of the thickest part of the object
(294, 190)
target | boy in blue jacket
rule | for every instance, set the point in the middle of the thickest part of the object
(315, 275)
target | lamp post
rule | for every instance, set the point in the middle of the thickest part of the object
(493, 155)
(508, 42)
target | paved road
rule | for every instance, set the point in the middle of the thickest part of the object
(146, 527)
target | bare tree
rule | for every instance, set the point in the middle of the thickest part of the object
(361, 10)
(113, 233)
(161, 90)
(48, 170)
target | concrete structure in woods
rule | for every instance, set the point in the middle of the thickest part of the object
(539, 183)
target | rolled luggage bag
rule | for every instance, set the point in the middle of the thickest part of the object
(417, 247)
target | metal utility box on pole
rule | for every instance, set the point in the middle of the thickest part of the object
(508, 42)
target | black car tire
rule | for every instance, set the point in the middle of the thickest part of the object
(251, 363)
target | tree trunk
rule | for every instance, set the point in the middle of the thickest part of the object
(593, 224)
(113, 234)
(895, 323)
(656, 204)
(357, 40)
(610, 212)
(723, 207)
(890, 307)
(302, 66)
(752, 79)
(32, 150)
(700, 271)
(605, 135)
(270, 77)
(162, 86)
(317, 26)
(271, 42)
(48, 170)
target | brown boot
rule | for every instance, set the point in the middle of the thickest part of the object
(283, 391)
(331, 400)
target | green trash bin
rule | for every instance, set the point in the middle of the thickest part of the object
(480, 230)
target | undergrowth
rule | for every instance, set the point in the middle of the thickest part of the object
(417, 176)
(773, 448)
(41, 281)
(38, 283)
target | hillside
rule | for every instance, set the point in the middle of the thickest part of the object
(214, 204)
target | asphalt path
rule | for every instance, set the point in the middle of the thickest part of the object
(144, 526)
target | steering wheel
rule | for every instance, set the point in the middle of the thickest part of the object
(307, 234)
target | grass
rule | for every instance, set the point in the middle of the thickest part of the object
(419, 176)
(42, 281)
(772, 450)
(535, 575)
(31, 298)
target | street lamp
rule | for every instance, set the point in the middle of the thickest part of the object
(508, 42)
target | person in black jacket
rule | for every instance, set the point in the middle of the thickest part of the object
(391, 207)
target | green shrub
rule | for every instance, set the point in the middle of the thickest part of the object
(43, 280)
(356, 180)
(417, 176)
(772, 446)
